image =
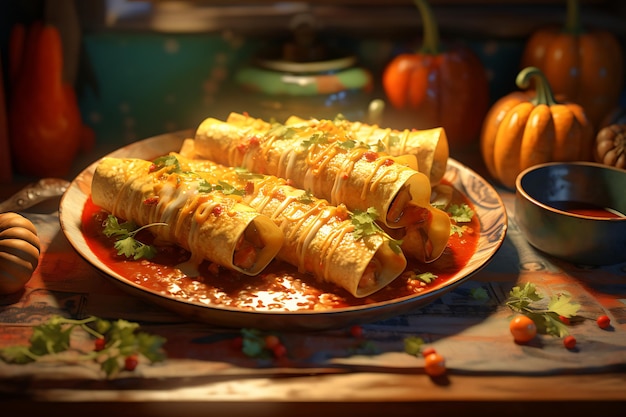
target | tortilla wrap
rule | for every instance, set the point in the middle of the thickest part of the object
(329, 166)
(211, 225)
(430, 146)
(319, 238)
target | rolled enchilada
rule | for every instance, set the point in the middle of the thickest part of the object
(430, 146)
(198, 216)
(328, 165)
(320, 239)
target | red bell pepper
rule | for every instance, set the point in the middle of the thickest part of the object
(439, 87)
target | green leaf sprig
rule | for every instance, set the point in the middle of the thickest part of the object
(306, 197)
(349, 144)
(413, 345)
(119, 340)
(425, 277)
(364, 223)
(125, 243)
(168, 161)
(459, 213)
(315, 139)
(223, 186)
(525, 300)
(253, 344)
(244, 174)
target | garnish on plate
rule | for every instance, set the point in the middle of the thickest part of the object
(365, 225)
(459, 214)
(126, 243)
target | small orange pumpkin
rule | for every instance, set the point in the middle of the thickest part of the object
(19, 251)
(586, 66)
(610, 146)
(523, 129)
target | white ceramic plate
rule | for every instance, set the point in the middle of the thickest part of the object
(487, 204)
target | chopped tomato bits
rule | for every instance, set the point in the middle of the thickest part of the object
(604, 322)
(151, 201)
(569, 342)
(99, 344)
(131, 362)
(279, 351)
(428, 350)
(370, 156)
(356, 331)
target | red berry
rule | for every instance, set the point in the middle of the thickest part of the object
(603, 322)
(131, 362)
(271, 341)
(356, 331)
(428, 350)
(569, 342)
(564, 320)
(237, 343)
(100, 344)
(279, 350)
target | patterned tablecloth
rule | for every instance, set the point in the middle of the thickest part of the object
(471, 333)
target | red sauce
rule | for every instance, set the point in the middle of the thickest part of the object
(587, 209)
(278, 287)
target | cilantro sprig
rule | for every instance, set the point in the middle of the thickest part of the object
(244, 174)
(459, 213)
(315, 139)
(119, 340)
(168, 161)
(306, 197)
(413, 345)
(126, 243)
(425, 277)
(364, 223)
(527, 300)
(223, 186)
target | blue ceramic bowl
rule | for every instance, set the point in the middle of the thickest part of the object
(575, 211)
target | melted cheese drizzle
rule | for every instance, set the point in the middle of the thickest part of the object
(318, 159)
(178, 197)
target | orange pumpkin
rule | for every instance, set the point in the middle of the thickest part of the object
(585, 66)
(441, 88)
(610, 146)
(19, 251)
(523, 129)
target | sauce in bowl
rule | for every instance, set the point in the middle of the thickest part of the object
(587, 209)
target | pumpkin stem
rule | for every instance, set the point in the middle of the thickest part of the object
(572, 21)
(430, 43)
(544, 93)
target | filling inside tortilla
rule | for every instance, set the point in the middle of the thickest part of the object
(248, 248)
(370, 276)
(397, 206)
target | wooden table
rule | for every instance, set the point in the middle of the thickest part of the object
(203, 378)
